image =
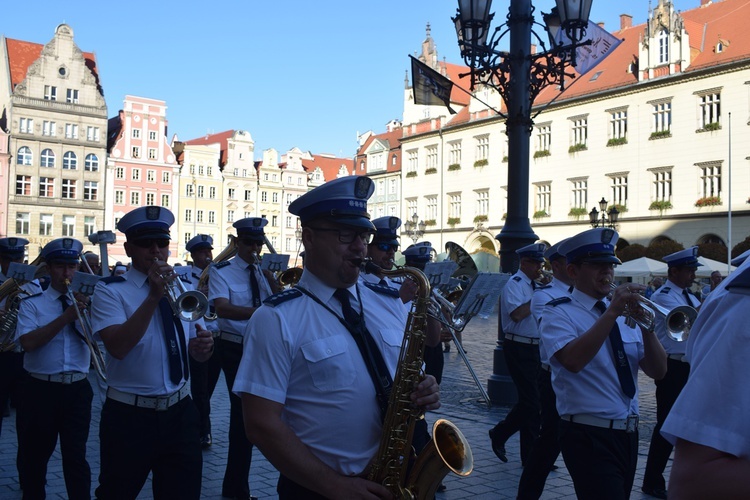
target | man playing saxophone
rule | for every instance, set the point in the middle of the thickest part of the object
(311, 402)
(57, 398)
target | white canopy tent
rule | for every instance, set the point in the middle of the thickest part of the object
(641, 268)
(710, 266)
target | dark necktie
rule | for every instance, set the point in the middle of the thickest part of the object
(621, 360)
(533, 285)
(178, 368)
(686, 294)
(383, 282)
(254, 286)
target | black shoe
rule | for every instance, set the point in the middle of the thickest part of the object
(206, 441)
(654, 492)
(498, 447)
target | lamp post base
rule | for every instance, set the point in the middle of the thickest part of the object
(500, 386)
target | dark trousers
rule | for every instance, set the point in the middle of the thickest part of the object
(546, 447)
(203, 379)
(523, 366)
(240, 454)
(49, 410)
(135, 441)
(600, 461)
(667, 390)
(12, 378)
(434, 360)
(289, 490)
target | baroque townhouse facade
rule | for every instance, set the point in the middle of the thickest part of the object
(141, 167)
(647, 130)
(4, 170)
(379, 156)
(52, 105)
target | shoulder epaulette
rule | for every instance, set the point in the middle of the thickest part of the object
(740, 283)
(31, 296)
(516, 278)
(34, 283)
(222, 264)
(111, 279)
(196, 276)
(281, 297)
(666, 289)
(382, 289)
(544, 287)
(184, 278)
(558, 301)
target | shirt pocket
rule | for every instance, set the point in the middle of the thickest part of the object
(329, 362)
(239, 295)
(390, 341)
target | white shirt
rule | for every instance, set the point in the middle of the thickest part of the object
(516, 293)
(66, 352)
(595, 390)
(670, 296)
(539, 299)
(145, 369)
(231, 280)
(299, 354)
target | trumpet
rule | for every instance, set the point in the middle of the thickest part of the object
(677, 321)
(97, 358)
(289, 277)
(187, 305)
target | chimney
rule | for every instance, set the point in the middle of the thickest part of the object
(600, 24)
(705, 2)
(626, 21)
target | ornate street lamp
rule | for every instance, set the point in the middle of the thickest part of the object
(414, 228)
(518, 76)
(607, 219)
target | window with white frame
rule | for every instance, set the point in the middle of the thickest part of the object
(24, 156)
(454, 205)
(412, 158)
(288, 221)
(23, 221)
(274, 220)
(201, 170)
(543, 196)
(619, 185)
(151, 153)
(483, 202)
(618, 124)
(431, 206)
(380, 190)
(274, 197)
(119, 197)
(47, 158)
(662, 116)
(91, 190)
(50, 93)
(71, 131)
(482, 148)
(71, 96)
(92, 134)
(212, 192)
(26, 125)
(49, 128)
(199, 216)
(135, 174)
(411, 207)
(135, 152)
(230, 194)
(89, 225)
(23, 185)
(289, 198)
(150, 175)
(230, 215)
(188, 215)
(45, 224)
(70, 161)
(709, 105)
(166, 178)
(579, 192)
(120, 173)
(579, 130)
(136, 133)
(710, 179)
(662, 39)
(188, 237)
(69, 225)
(211, 217)
(392, 186)
(431, 154)
(246, 215)
(264, 196)
(248, 195)
(543, 137)
(190, 190)
(165, 200)
(135, 198)
(662, 184)
(454, 155)
(91, 163)
(209, 171)
(152, 135)
(289, 246)
(46, 187)
(150, 198)
(200, 191)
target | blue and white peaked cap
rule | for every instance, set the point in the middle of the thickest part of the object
(386, 230)
(13, 247)
(594, 245)
(342, 201)
(683, 258)
(737, 261)
(553, 252)
(251, 227)
(535, 251)
(420, 252)
(67, 250)
(150, 222)
(200, 241)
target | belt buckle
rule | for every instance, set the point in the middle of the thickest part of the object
(631, 424)
(66, 378)
(162, 403)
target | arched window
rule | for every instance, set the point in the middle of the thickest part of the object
(48, 158)
(24, 156)
(91, 164)
(70, 161)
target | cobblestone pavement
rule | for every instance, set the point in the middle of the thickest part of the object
(462, 404)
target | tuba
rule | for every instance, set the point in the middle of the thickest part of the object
(448, 450)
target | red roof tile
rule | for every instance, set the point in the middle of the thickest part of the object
(220, 138)
(328, 164)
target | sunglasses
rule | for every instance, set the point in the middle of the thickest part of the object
(347, 236)
(160, 242)
(250, 241)
(384, 247)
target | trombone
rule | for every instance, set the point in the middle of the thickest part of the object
(187, 305)
(97, 358)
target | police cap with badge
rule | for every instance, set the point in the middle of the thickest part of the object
(385, 228)
(251, 228)
(687, 258)
(198, 242)
(595, 245)
(419, 253)
(146, 223)
(341, 201)
(535, 251)
(553, 252)
(13, 247)
(62, 250)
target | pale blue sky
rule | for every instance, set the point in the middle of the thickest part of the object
(293, 73)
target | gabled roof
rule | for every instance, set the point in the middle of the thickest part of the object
(328, 164)
(220, 138)
(22, 54)
(392, 140)
(453, 70)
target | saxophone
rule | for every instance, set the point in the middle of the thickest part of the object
(448, 450)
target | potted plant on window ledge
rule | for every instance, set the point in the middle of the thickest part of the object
(577, 212)
(452, 221)
(660, 205)
(708, 201)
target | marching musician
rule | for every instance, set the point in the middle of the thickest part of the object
(203, 375)
(595, 356)
(312, 404)
(382, 251)
(521, 349)
(57, 398)
(237, 287)
(675, 292)
(148, 422)
(545, 449)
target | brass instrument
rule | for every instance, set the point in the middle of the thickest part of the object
(187, 305)
(677, 321)
(289, 277)
(97, 358)
(12, 293)
(448, 450)
(229, 251)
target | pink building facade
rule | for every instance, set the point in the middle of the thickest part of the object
(4, 173)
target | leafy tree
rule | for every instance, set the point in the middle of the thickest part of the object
(741, 247)
(659, 249)
(631, 252)
(715, 251)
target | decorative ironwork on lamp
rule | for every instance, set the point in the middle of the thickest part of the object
(602, 217)
(414, 228)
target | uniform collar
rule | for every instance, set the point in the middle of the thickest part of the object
(586, 300)
(315, 285)
(673, 286)
(136, 277)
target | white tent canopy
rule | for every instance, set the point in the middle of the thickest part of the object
(710, 266)
(641, 268)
